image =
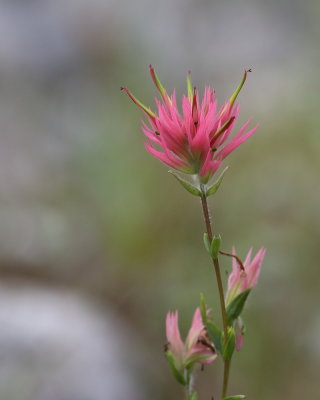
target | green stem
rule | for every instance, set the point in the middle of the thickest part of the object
(216, 266)
(226, 371)
(189, 393)
(220, 288)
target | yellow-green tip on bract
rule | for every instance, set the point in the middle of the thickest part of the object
(157, 82)
(237, 91)
(189, 86)
(138, 103)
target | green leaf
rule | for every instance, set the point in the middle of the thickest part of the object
(172, 364)
(215, 335)
(236, 397)
(228, 347)
(215, 247)
(212, 247)
(187, 185)
(203, 309)
(213, 188)
(235, 308)
(207, 243)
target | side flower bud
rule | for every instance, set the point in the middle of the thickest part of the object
(241, 280)
(244, 277)
(183, 357)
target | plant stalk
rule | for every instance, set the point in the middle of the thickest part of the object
(226, 371)
(216, 265)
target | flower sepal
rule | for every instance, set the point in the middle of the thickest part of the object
(212, 189)
(235, 307)
(187, 185)
(174, 369)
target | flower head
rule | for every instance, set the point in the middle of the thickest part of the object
(197, 348)
(194, 141)
(244, 277)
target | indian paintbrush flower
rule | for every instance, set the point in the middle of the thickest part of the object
(197, 349)
(194, 141)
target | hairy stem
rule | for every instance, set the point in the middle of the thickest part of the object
(220, 288)
(216, 266)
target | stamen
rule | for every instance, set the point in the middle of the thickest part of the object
(235, 257)
(194, 106)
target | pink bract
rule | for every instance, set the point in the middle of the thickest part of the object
(195, 141)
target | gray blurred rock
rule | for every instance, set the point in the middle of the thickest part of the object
(54, 345)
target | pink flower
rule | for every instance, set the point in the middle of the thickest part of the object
(197, 347)
(241, 280)
(194, 142)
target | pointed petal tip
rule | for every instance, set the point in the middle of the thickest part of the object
(262, 252)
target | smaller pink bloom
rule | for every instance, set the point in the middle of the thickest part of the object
(239, 330)
(197, 347)
(241, 280)
(239, 341)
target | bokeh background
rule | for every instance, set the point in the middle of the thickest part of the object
(97, 241)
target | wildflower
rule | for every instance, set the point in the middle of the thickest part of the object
(194, 142)
(244, 277)
(197, 348)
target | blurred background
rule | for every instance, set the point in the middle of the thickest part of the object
(98, 242)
